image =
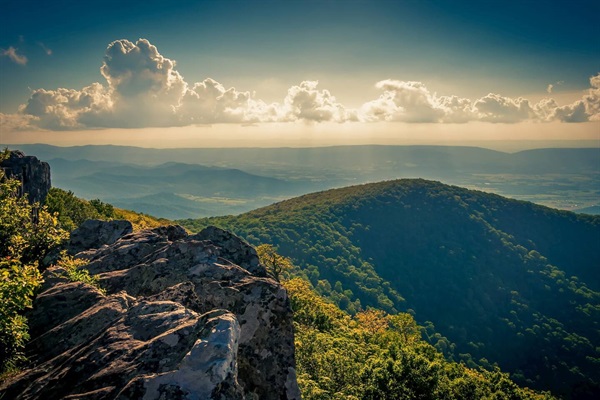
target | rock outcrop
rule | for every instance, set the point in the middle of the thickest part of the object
(179, 317)
(94, 233)
(33, 174)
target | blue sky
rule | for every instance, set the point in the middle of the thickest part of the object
(468, 49)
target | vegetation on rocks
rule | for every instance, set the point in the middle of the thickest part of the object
(27, 234)
(72, 211)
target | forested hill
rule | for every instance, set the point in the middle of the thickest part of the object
(506, 281)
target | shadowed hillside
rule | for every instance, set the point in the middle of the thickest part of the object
(506, 281)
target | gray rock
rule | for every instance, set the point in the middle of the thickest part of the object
(93, 234)
(33, 174)
(234, 249)
(180, 320)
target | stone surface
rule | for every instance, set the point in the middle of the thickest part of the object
(93, 234)
(234, 249)
(183, 317)
(33, 174)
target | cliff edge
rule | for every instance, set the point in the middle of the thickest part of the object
(180, 317)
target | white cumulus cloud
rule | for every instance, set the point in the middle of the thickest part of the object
(143, 88)
(306, 102)
(410, 101)
(496, 108)
(210, 102)
(68, 108)
(592, 99)
(403, 101)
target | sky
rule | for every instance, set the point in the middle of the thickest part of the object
(300, 73)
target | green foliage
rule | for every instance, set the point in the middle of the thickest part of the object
(379, 356)
(104, 209)
(505, 282)
(276, 264)
(18, 283)
(75, 272)
(27, 234)
(312, 310)
(72, 211)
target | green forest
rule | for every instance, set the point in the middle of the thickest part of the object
(494, 281)
(374, 355)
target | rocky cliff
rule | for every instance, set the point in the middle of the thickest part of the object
(33, 174)
(180, 317)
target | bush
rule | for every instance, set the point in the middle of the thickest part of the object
(74, 271)
(27, 234)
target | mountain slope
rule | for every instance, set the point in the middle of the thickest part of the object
(506, 281)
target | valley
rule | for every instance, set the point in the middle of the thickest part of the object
(194, 183)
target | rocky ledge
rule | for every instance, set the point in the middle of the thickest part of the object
(180, 317)
(33, 174)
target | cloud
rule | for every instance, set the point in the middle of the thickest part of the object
(413, 102)
(209, 102)
(403, 101)
(47, 50)
(12, 54)
(575, 112)
(139, 69)
(586, 109)
(68, 108)
(143, 88)
(306, 102)
(17, 122)
(410, 101)
(551, 86)
(591, 100)
(496, 108)
(456, 109)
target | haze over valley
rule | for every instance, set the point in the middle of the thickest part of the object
(193, 183)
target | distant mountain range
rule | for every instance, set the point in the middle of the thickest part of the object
(171, 190)
(205, 182)
(505, 281)
(362, 158)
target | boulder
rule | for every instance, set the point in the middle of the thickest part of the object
(181, 317)
(33, 174)
(93, 234)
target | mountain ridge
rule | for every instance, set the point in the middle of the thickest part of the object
(486, 270)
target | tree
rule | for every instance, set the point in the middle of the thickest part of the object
(275, 263)
(372, 321)
(406, 326)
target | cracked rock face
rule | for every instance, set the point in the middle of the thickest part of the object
(33, 174)
(183, 317)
